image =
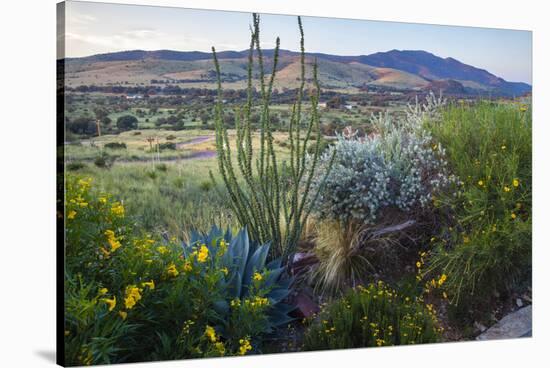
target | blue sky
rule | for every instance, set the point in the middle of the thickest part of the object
(93, 28)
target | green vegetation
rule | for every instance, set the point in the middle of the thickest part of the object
(375, 315)
(231, 222)
(269, 196)
(485, 244)
(140, 298)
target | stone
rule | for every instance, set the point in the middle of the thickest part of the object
(514, 325)
(519, 302)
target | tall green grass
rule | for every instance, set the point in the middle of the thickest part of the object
(175, 201)
(485, 245)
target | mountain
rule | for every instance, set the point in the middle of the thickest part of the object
(395, 69)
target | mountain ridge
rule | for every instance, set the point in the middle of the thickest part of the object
(410, 69)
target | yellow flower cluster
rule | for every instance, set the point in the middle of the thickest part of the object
(117, 209)
(162, 249)
(257, 302)
(203, 254)
(210, 333)
(112, 240)
(187, 326)
(235, 303)
(172, 271)
(133, 295)
(244, 346)
(257, 276)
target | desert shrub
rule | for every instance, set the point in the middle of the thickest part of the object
(205, 186)
(375, 315)
(485, 247)
(323, 146)
(127, 122)
(161, 167)
(115, 145)
(104, 160)
(167, 146)
(136, 133)
(170, 137)
(151, 174)
(133, 297)
(399, 167)
(75, 165)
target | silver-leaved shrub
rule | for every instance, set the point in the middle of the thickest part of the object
(399, 166)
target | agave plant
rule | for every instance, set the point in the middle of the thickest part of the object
(242, 259)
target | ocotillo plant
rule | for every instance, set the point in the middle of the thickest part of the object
(272, 199)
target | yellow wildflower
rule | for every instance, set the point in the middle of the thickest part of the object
(172, 271)
(113, 241)
(110, 302)
(210, 333)
(466, 239)
(203, 254)
(117, 209)
(71, 215)
(133, 295)
(103, 291)
(244, 346)
(503, 147)
(513, 216)
(162, 249)
(123, 315)
(102, 200)
(220, 347)
(257, 276)
(225, 271)
(515, 183)
(235, 303)
(506, 188)
(418, 264)
(187, 266)
(480, 183)
(223, 247)
(150, 284)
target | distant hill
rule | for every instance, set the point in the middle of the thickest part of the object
(401, 70)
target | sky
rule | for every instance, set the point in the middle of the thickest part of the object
(95, 28)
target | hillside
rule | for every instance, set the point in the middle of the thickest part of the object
(405, 70)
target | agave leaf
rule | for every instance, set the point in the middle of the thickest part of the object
(284, 308)
(278, 318)
(239, 248)
(273, 276)
(277, 295)
(221, 306)
(256, 262)
(276, 263)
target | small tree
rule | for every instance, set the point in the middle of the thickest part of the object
(127, 122)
